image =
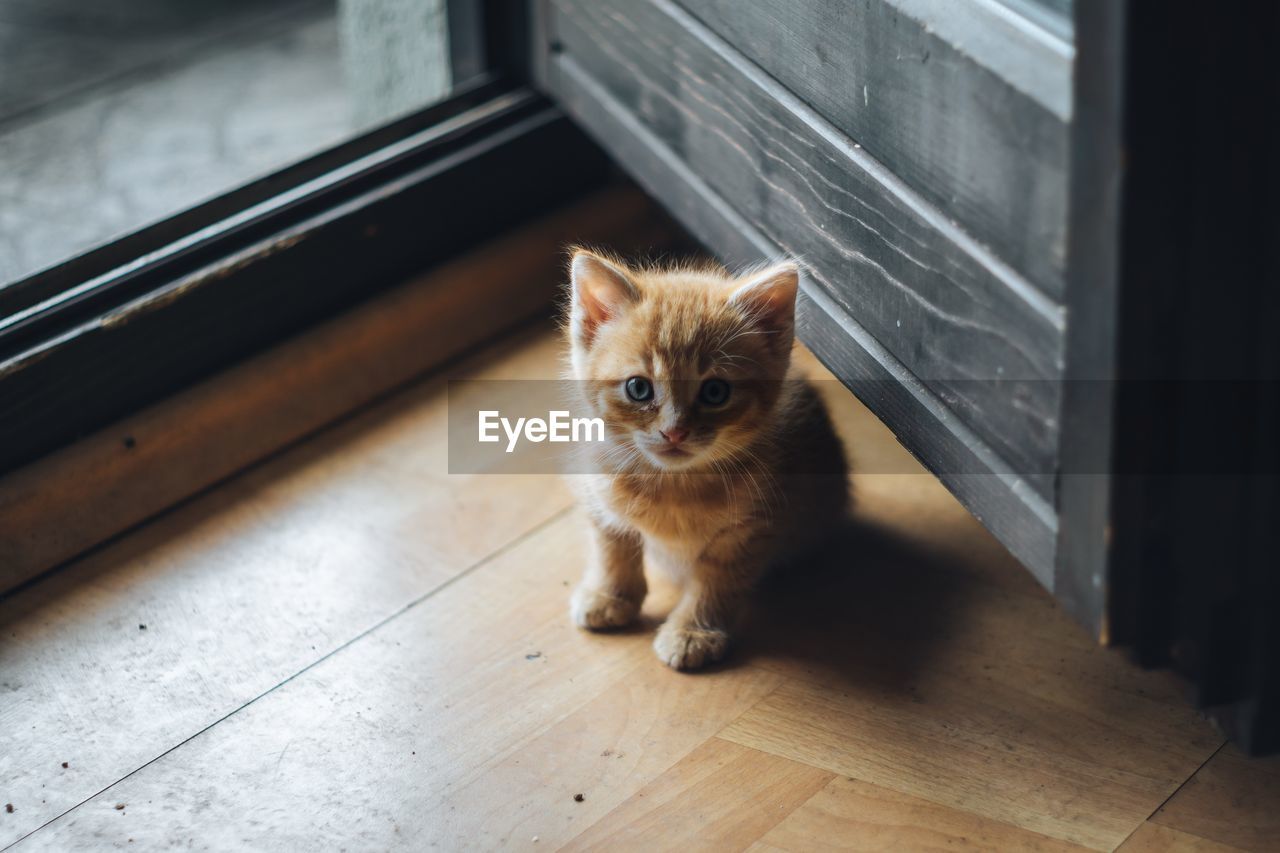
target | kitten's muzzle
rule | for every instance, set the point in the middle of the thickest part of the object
(674, 435)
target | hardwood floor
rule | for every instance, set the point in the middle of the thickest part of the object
(348, 647)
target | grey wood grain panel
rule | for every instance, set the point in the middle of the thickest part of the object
(963, 99)
(976, 333)
(1006, 502)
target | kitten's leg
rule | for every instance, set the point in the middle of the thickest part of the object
(613, 587)
(698, 631)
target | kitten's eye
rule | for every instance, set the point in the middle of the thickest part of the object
(714, 392)
(639, 389)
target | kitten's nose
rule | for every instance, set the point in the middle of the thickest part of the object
(674, 435)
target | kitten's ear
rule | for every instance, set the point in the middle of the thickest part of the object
(601, 290)
(769, 297)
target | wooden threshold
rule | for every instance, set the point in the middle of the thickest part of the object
(73, 499)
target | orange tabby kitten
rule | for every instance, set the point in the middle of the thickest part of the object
(717, 461)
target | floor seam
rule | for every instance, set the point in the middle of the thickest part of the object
(1166, 800)
(386, 620)
(837, 775)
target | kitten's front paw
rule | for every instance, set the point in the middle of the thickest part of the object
(598, 610)
(689, 648)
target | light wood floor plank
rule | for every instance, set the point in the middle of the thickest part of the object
(240, 589)
(722, 796)
(607, 750)
(1233, 799)
(391, 741)
(1154, 838)
(852, 815)
(966, 746)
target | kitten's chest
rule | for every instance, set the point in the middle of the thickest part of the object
(679, 513)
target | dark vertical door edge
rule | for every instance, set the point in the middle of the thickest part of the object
(1195, 559)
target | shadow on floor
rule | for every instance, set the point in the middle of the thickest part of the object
(870, 608)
